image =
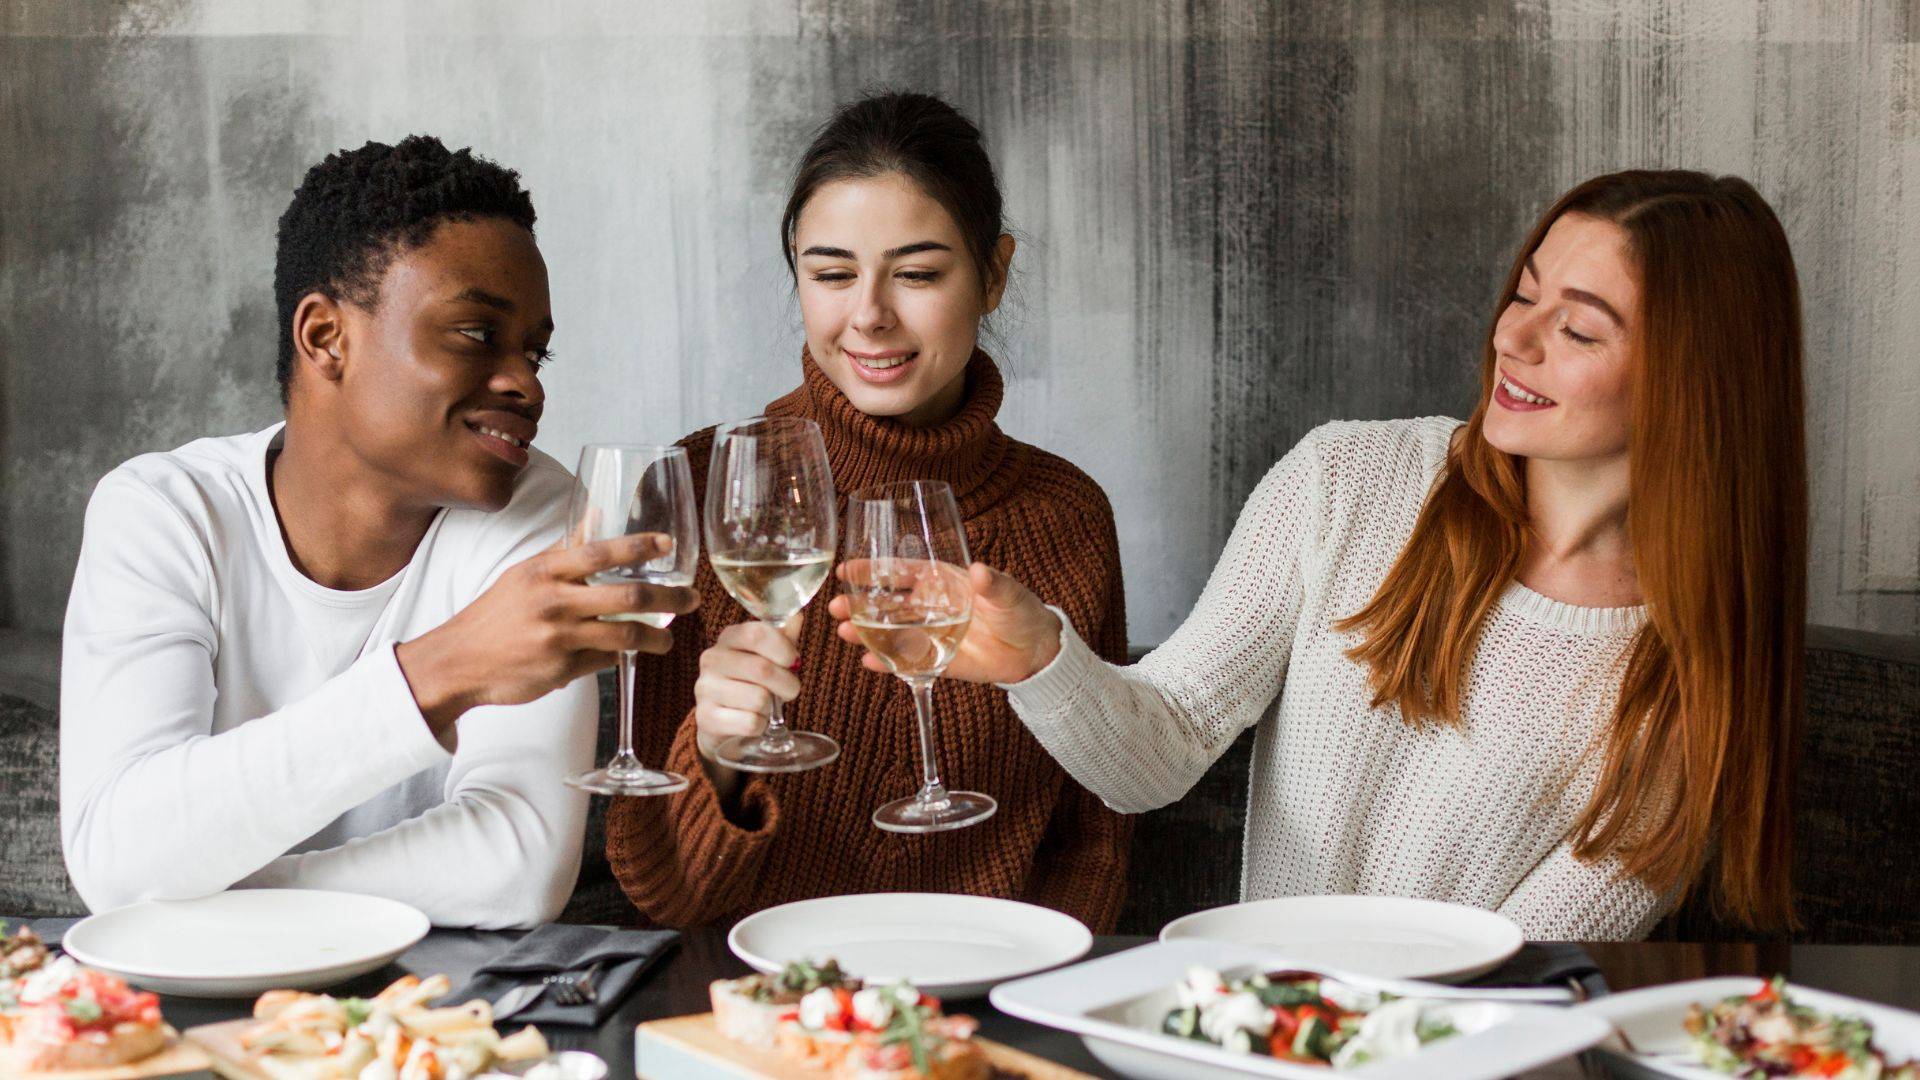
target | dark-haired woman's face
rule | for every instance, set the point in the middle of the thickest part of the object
(891, 299)
(1564, 346)
(440, 389)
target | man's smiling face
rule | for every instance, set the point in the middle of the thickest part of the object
(439, 388)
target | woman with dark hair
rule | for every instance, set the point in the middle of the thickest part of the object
(894, 235)
(1546, 662)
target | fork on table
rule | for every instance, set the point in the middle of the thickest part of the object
(569, 989)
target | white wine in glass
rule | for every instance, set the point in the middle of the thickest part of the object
(624, 490)
(771, 526)
(904, 573)
(774, 590)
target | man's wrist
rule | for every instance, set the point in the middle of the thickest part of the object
(432, 675)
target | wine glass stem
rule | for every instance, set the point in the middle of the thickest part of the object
(777, 738)
(625, 763)
(932, 791)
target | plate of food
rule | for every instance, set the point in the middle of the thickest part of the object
(949, 945)
(1745, 1026)
(398, 1033)
(1388, 937)
(59, 1019)
(818, 1022)
(1212, 1010)
(241, 943)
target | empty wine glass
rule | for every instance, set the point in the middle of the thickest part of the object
(771, 523)
(624, 490)
(904, 573)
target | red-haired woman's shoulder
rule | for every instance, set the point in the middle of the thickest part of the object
(1374, 451)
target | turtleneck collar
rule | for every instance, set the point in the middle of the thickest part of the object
(968, 450)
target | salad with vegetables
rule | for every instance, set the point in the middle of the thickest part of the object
(1767, 1034)
(1303, 1017)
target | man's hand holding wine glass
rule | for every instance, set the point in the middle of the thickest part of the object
(1012, 635)
(537, 628)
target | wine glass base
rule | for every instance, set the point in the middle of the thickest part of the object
(802, 750)
(957, 811)
(647, 782)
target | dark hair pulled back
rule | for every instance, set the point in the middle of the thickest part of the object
(920, 137)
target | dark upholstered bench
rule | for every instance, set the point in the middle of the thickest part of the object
(1858, 823)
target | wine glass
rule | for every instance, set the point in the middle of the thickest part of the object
(624, 490)
(904, 572)
(770, 522)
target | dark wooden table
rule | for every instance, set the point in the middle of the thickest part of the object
(678, 985)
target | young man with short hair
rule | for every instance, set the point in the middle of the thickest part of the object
(344, 652)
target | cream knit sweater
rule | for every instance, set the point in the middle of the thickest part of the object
(1346, 798)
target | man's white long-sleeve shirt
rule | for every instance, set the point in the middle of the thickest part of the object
(226, 721)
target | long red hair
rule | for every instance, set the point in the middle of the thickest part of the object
(1698, 775)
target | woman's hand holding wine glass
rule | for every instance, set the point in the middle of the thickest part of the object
(1012, 635)
(747, 668)
(770, 526)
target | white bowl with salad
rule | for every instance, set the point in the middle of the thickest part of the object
(1742, 1026)
(1193, 1008)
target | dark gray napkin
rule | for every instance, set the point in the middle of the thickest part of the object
(1548, 963)
(555, 947)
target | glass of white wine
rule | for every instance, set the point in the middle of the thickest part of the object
(771, 524)
(904, 572)
(624, 490)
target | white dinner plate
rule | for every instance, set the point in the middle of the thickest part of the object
(245, 942)
(948, 945)
(1651, 1017)
(1117, 1003)
(1387, 937)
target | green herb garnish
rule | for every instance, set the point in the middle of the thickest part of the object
(1287, 993)
(84, 1010)
(358, 1009)
(803, 977)
(908, 1024)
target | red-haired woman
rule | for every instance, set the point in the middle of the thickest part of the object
(1547, 661)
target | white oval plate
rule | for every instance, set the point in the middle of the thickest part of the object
(948, 945)
(245, 942)
(1387, 937)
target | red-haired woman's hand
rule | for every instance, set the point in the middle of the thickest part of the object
(1011, 636)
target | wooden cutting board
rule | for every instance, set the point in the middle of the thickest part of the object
(691, 1047)
(174, 1059)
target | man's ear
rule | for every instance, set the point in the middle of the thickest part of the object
(999, 265)
(319, 336)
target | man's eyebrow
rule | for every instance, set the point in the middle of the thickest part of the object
(497, 303)
(1582, 296)
(483, 298)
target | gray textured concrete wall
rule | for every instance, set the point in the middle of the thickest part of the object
(1238, 219)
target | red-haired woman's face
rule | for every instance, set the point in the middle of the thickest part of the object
(891, 300)
(1563, 347)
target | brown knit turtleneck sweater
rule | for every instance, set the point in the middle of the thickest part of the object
(684, 860)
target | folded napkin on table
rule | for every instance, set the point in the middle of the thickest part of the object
(572, 949)
(1547, 963)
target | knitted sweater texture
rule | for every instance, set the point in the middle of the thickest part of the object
(1347, 798)
(685, 859)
